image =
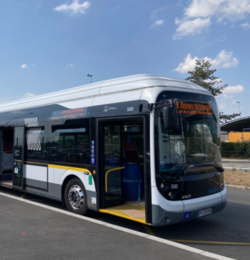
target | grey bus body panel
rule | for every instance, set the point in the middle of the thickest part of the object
(54, 191)
(161, 217)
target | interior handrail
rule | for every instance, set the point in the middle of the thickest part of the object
(106, 176)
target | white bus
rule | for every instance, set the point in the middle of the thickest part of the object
(143, 147)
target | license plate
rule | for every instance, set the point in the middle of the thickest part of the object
(204, 212)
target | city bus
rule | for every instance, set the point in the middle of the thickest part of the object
(143, 147)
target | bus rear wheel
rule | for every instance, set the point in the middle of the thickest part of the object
(75, 197)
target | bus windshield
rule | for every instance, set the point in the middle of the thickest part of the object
(192, 147)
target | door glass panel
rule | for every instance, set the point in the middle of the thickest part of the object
(112, 155)
(18, 143)
(18, 156)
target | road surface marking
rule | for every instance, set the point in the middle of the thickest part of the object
(211, 242)
(126, 230)
(150, 232)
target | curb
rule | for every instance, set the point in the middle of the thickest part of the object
(237, 169)
(236, 161)
(238, 187)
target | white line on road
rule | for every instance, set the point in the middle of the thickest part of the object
(126, 230)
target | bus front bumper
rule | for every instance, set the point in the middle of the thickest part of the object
(160, 217)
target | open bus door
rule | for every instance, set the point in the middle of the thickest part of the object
(18, 156)
(114, 135)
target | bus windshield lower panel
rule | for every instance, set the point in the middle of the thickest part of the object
(188, 157)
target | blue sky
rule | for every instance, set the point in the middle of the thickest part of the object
(47, 45)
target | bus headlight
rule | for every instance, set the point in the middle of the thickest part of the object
(222, 185)
(164, 187)
(171, 195)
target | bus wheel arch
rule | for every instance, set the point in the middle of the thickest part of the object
(74, 195)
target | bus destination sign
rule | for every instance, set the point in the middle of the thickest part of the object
(71, 113)
(193, 108)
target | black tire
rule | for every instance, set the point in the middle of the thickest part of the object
(75, 197)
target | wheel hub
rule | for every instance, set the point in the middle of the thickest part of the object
(76, 197)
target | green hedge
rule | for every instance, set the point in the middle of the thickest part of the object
(236, 150)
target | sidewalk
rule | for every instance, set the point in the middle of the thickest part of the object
(236, 161)
(236, 164)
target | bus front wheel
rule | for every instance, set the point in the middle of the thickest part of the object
(75, 197)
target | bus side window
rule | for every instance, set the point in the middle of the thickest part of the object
(35, 144)
(70, 143)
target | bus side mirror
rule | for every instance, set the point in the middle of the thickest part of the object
(170, 118)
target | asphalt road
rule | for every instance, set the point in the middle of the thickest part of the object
(236, 163)
(31, 232)
(245, 166)
(226, 233)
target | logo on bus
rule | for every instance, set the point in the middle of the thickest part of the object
(210, 191)
(107, 108)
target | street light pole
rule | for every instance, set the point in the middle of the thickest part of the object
(90, 76)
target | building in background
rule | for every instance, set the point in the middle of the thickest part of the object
(236, 130)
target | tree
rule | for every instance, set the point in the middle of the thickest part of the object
(203, 76)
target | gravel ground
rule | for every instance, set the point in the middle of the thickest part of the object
(239, 178)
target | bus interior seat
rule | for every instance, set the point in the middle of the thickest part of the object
(7, 147)
(131, 153)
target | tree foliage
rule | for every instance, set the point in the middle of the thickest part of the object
(203, 76)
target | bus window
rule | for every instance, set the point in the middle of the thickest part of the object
(35, 144)
(133, 142)
(69, 143)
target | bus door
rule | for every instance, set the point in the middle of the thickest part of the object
(18, 156)
(110, 143)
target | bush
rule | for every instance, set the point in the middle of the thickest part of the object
(236, 150)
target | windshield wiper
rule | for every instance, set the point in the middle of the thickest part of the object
(217, 166)
(179, 169)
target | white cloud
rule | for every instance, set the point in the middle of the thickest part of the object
(228, 103)
(230, 10)
(223, 60)
(219, 81)
(245, 25)
(74, 7)
(233, 89)
(28, 94)
(71, 65)
(223, 9)
(190, 27)
(155, 14)
(234, 9)
(201, 8)
(24, 66)
(11, 98)
(157, 23)
(187, 65)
